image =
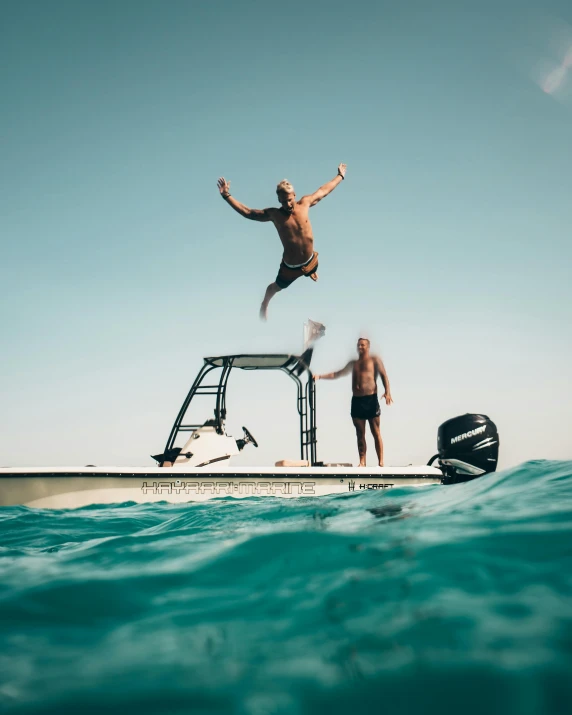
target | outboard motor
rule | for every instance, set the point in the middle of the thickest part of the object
(468, 447)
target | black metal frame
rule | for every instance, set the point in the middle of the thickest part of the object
(293, 366)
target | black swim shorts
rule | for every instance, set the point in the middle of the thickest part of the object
(366, 407)
(288, 274)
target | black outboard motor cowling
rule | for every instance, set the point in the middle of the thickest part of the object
(468, 447)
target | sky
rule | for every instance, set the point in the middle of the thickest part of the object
(448, 244)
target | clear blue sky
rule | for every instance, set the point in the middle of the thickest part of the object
(449, 243)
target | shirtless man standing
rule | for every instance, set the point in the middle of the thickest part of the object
(292, 222)
(365, 405)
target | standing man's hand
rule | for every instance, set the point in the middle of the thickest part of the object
(388, 398)
(223, 187)
(342, 170)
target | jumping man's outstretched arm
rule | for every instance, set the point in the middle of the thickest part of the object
(334, 375)
(323, 191)
(383, 374)
(252, 214)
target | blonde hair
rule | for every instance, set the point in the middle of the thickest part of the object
(285, 186)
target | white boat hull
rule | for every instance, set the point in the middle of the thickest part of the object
(69, 488)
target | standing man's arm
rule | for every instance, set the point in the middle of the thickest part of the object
(383, 374)
(334, 375)
(323, 191)
(252, 214)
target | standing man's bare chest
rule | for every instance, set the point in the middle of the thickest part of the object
(364, 373)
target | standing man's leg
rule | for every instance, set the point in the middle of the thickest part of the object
(361, 445)
(270, 293)
(376, 432)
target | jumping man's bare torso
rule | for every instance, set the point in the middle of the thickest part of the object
(295, 231)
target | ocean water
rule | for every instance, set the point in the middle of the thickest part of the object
(417, 600)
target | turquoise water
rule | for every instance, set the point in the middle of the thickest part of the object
(417, 600)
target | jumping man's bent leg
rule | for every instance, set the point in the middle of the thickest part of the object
(361, 445)
(270, 293)
(376, 432)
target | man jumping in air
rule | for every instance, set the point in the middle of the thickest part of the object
(365, 405)
(293, 225)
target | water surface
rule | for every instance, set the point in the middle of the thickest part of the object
(413, 600)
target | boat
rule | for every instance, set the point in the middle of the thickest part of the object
(195, 464)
